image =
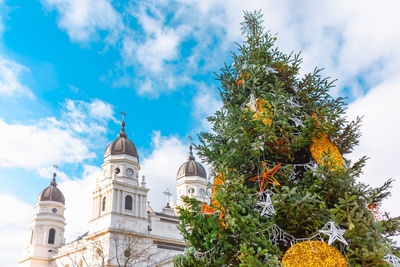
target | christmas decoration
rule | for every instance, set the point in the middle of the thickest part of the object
(334, 232)
(264, 201)
(242, 78)
(263, 112)
(239, 82)
(267, 177)
(218, 181)
(324, 151)
(261, 109)
(392, 260)
(313, 253)
(267, 119)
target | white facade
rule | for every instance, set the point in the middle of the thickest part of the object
(191, 181)
(124, 230)
(191, 186)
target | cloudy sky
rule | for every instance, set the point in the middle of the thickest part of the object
(67, 67)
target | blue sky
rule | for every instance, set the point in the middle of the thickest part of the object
(67, 67)
(56, 67)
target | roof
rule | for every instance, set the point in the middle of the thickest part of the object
(52, 193)
(121, 145)
(191, 167)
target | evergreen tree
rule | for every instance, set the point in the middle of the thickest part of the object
(273, 119)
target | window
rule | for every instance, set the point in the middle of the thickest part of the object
(103, 206)
(128, 203)
(191, 190)
(52, 234)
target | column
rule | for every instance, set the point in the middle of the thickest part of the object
(137, 205)
(114, 199)
(121, 200)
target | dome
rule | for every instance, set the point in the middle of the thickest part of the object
(52, 193)
(191, 167)
(121, 145)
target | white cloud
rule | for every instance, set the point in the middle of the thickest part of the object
(87, 117)
(49, 140)
(153, 51)
(10, 84)
(78, 201)
(101, 110)
(161, 166)
(160, 42)
(14, 229)
(205, 103)
(83, 19)
(379, 139)
(356, 42)
(32, 146)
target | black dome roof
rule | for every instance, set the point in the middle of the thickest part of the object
(121, 145)
(191, 167)
(52, 193)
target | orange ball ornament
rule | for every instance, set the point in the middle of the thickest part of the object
(218, 181)
(239, 82)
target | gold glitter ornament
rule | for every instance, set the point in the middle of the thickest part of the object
(262, 110)
(322, 148)
(313, 253)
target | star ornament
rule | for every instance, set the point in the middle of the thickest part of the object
(252, 103)
(334, 233)
(267, 177)
(392, 260)
(265, 202)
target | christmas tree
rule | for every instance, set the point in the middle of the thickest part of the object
(284, 192)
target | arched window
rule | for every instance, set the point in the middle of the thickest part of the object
(128, 203)
(103, 206)
(52, 235)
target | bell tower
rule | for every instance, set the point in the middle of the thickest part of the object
(191, 180)
(47, 227)
(118, 197)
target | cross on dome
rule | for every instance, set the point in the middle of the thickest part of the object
(52, 193)
(53, 182)
(122, 132)
(191, 157)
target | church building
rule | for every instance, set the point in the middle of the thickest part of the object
(124, 230)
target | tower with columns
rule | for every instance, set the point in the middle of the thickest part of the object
(47, 227)
(118, 198)
(191, 180)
